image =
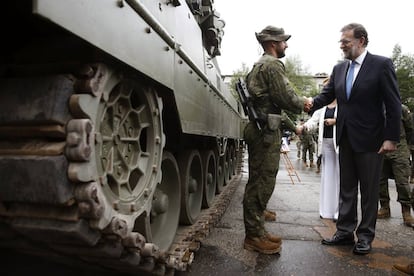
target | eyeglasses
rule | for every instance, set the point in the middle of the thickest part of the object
(344, 41)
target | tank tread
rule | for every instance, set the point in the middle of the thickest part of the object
(110, 252)
(60, 224)
(188, 239)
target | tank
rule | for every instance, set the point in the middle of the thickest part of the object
(117, 133)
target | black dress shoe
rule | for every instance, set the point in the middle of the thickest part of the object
(339, 240)
(362, 247)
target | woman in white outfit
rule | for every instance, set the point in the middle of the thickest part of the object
(325, 120)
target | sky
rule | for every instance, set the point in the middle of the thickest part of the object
(315, 28)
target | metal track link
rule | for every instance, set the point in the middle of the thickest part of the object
(188, 239)
(59, 224)
(110, 253)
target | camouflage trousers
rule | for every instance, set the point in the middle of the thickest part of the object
(299, 148)
(398, 168)
(308, 148)
(264, 155)
(412, 166)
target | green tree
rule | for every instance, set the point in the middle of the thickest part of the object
(242, 72)
(404, 68)
(300, 78)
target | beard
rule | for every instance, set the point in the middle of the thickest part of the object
(280, 53)
(350, 54)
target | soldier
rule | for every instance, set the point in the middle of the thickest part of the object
(397, 165)
(412, 152)
(271, 93)
(299, 142)
(308, 147)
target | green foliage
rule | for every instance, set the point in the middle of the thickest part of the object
(301, 80)
(404, 68)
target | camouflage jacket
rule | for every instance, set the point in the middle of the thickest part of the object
(412, 134)
(406, 131)
(307, 138)
(287, 123)
(270, 89)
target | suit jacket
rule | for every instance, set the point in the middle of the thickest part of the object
(372, 113)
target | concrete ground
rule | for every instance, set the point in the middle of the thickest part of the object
(296, 202)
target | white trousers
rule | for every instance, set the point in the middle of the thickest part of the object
(329, 193)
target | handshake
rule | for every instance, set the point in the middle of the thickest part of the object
(308, 103)
(307, 106)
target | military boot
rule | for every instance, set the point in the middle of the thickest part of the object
(384, 211)
(262, 245)
(269, 215)
(407, 269)
(273, 238)
(406, 214)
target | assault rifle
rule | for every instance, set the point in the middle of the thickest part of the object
(246, 102)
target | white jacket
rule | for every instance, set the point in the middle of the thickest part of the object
(316, 120)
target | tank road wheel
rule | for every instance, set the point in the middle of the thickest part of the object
(165, 210)
(191, 172)
(129, 141)
(233, 157)
(220, 173)
(231, 161)
(226, 162)
(130, 146)
(210, 177)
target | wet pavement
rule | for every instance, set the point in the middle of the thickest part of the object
(296, 204)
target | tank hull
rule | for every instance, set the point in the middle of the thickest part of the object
(116, 131)
(164, 43)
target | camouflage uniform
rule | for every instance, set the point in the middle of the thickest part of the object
(412, 154)
(299, 142)
(268, 85)
(299, 146)
(397, 165)
(308, 146)
(287, 123)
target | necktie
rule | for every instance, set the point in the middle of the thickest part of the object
(349, 79)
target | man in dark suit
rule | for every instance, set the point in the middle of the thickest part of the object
(368, 121)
